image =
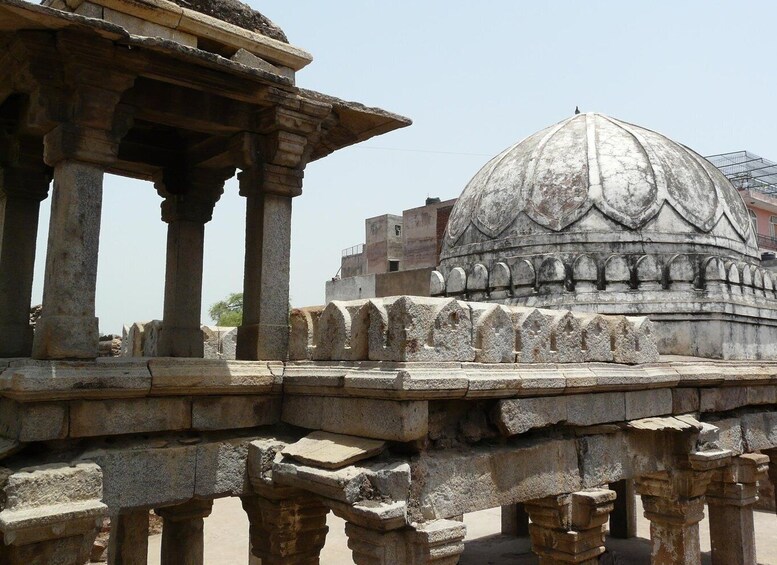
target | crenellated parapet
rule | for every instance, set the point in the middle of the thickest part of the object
(415, 329)
(585, 273)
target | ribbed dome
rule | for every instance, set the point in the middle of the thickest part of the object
(595, 181)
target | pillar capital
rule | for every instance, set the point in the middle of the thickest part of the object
(190, 510)
(190, 194)
(268, 178)
(569, 528)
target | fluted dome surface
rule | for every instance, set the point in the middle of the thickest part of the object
(592, 179)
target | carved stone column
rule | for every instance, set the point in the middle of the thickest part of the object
(182, 532)
(128, 543)
(190, 196)
(570, 528)
(772, 471)
(21, 191)
(730, 497)
(440, 542)
(515, 520)
(674, 503)
(82, 144)
(288, 526)
(268, 189)
(50, 514)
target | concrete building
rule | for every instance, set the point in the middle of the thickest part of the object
(756, 180)
(397, 257)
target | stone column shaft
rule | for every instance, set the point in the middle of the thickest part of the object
(128, 543)
(570, 528)
(265, 330)
(286, 531)
(68, 327)
(623, 518)
(182, 532)
(730, 497)
(515, 520)
(19, 210)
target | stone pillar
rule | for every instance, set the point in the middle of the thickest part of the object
(730, 497)
(268, 189)
(570, 528)
(182, 532)
(772, 471)
(440, 542)
(128, 543)
(288, 527)
(623, 518)
(189, 200)
(515, 520)
(68, 327)
(21, 192)
(50, 514)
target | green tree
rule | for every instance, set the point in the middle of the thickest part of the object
(228, 312)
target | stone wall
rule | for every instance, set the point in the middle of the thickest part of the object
(141, 339)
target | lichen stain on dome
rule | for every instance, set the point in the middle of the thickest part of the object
(628, 173)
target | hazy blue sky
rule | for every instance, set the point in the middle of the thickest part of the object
(475, 78)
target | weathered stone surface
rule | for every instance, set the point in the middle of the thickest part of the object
(590, 409)
(379, 419)
(685, 400)
(567, 338)
(90, 418)
(219, 343)
(534, 331)
(221, 468)
(455, 482)
(343, 331)
(596, 337)
(494, 334)
(33, 422)
(722, 399)
(759, 430)
(332, 451)
(645, 403)
(519, 415)
(235, 412)
(304, 332)
(205, 376)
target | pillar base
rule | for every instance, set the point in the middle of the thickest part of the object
(16, 340)
(181, 342)
(66, 337)
(262, 342)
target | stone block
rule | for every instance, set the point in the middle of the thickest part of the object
(453, 482)
(235, 412)
(42, 505)
(90, 418)
(761, 395)
(722, 399)
(33, 422)
(436, 284)
(30, 379)
(427, 329)
(372, 418)
(138, 26)
(566, 336)
(304, 332)
(647, 403)
(145, 477)
(456, 282)
(685, 400)
(590, 409)
(494, 333)
(759, 430)
(219, 342)
(607, 458)
(152, 335)
(596, 338)
(729, 432)
(220, 468)
(210, 376)
(534, 330)
(333, 451)
(342, 332)
(518, 415)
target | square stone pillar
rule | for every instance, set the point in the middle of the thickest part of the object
(51, 514)
(288, 526)
(182, 532)
(68, 327)
(128, 543)
(268, 189)
(440, 542)
(189, 200)
(730, 496)
(623, 518)
(772, 471)
(515, 520)
(570, 528)
(21, 192)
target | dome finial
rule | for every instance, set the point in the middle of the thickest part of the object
(577, 110)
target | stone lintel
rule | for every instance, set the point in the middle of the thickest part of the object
(272, 179)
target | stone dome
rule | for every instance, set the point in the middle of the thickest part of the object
(597, 185)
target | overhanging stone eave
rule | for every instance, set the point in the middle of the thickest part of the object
(18, 15)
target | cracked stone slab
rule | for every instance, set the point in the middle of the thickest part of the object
(333, 451)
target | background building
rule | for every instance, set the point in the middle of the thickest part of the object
(397, 257)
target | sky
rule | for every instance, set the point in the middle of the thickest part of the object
(475, 78)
